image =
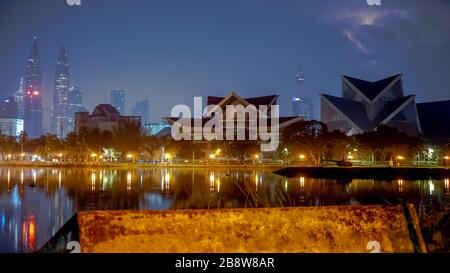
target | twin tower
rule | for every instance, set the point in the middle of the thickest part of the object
(33, 91)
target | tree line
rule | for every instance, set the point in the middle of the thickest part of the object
(308, 142)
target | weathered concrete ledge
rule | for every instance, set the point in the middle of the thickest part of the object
(379, 173)
(347, 229)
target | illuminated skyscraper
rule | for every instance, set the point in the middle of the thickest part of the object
(118, 100)
(303, 107)
(33, 94)
(10, 124)
(74, 105)
(141, 109)
(60, 119)
(19, 99)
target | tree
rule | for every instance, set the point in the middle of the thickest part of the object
(308, 136)
(386, 143)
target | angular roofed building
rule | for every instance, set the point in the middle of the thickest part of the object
(104, 117)
(435, 119)
(233, 99)
(366, 105)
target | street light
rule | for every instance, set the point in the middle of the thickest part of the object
(212, 156)
(302, 156)
(130, 156)
(93, 155)
(445, 159)
(167, 157)
(399, 158)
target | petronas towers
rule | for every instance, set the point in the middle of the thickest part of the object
(60, 116)
(60, 123)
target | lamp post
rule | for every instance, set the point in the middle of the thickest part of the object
(131, 157)
(256, 157)
(93, 156)
(400, 158)
(167, 157)
(445, 160)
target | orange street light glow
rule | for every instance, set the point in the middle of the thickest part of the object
(302, 156)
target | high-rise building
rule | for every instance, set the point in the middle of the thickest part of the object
(19, 98)
(303, 107)
(118, 100)
(60, 119)
(33, 94)
(10, 124)
(141, 109)
(74, 105)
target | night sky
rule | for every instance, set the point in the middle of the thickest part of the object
(173, 50)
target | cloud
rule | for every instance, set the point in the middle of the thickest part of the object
(351, 37)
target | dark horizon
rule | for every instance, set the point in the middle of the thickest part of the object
(174, 50)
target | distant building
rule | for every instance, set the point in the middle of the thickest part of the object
(153, 129)
(366, 105)
(435, 119)
(141, 109)
(10, 123)
(19, 98)
(303, 107)
(33, 94)
(104, 117)
(118, 100)
(60, 117)
(74, 105)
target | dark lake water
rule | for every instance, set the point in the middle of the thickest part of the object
(30, 215)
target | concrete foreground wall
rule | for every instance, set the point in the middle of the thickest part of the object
(346, 229)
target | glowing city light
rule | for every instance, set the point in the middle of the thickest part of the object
(302, 156)
(302, 182)
(431, 187)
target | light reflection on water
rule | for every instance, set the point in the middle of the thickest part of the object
(35, 203)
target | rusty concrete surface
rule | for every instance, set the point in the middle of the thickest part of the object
(340, 229)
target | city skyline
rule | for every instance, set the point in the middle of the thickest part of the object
(172, 55)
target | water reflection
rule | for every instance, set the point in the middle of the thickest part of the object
(35, 203)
